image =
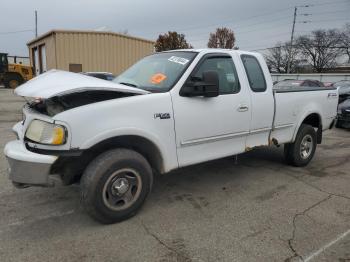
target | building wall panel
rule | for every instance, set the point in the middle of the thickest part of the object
(96, 51)
(49, 43)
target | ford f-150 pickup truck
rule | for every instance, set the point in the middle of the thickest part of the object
(169, 110)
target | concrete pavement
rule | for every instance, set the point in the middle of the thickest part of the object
(257, 210)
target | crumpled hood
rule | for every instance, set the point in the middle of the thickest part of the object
(57, 82)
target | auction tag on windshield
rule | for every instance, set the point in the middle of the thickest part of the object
(179, 60)
(157, 78)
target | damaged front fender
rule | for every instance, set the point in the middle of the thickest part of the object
(57, 104)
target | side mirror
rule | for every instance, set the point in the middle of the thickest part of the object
(208, 86)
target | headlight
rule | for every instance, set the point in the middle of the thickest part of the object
(46, 133)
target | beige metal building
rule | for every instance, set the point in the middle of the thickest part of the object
(86, 51)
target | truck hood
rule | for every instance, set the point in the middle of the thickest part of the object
(57, 82)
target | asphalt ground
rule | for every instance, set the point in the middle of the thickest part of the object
(258, 209)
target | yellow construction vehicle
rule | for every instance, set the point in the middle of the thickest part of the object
(12, 75)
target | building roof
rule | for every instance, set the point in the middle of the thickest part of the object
(55, 31)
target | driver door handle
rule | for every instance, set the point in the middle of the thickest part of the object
(242, 108)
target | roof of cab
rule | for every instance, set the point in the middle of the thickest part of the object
(214, 50)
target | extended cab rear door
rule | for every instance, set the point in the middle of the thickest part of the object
(257, 79)
(212, 127)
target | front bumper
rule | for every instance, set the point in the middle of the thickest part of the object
(27, 168)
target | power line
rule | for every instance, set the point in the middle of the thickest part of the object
(232, 20)
(318, 46)
(333, 12)
(240, 33)
(259, 23)
(229, 21)
(16, 32)
(330, 3)
(329, 20)
(261, 15)
(276, 26)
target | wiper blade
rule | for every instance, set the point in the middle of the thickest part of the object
(127, 84)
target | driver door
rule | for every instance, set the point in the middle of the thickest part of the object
(212, 127)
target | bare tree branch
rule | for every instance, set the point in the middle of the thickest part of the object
(277, 58)
(222, 38)
(171, 41)
(320, 48)
(345, 40)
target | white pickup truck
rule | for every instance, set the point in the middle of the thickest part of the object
(169, 110)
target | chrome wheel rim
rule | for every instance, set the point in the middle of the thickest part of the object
(122, 189)
(306, 146)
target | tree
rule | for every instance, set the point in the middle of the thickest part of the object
(345, 41)
(222, 38)
(171, 41)
(321, 48)
(277, 58)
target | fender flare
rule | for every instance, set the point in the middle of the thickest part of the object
(130, 131)
(302, 119)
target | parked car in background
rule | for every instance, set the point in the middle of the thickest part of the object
(301, 83)
(328, 84)
(343, 116)
(343, 88)
(101, 75)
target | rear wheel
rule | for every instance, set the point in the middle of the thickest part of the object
(115, 185)
(303, 149)
(12, 80)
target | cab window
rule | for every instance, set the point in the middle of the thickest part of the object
(254, 72)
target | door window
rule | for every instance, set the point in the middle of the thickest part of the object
(224, 66)
(254, 72)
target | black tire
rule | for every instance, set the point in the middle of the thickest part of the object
(96, 194)
(338, 124)
(12, 80)
(297, 154)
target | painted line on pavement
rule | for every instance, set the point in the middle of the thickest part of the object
(328, 245)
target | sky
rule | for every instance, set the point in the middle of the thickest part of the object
(257, 24)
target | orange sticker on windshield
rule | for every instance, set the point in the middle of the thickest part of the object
(157, 78)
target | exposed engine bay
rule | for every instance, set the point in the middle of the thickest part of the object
(57, 104)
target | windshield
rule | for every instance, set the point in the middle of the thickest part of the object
(158, 72)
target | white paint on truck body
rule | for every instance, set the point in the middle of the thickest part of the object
(198, 129)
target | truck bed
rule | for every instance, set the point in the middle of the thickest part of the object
(292, 105)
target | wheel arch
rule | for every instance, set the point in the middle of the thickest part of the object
(71, 167)
(313, 119)
(140, 144)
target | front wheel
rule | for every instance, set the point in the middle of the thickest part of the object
(303, 149)
(115, 185)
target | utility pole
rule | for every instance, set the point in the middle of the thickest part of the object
(291, 40)
(36, 24)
